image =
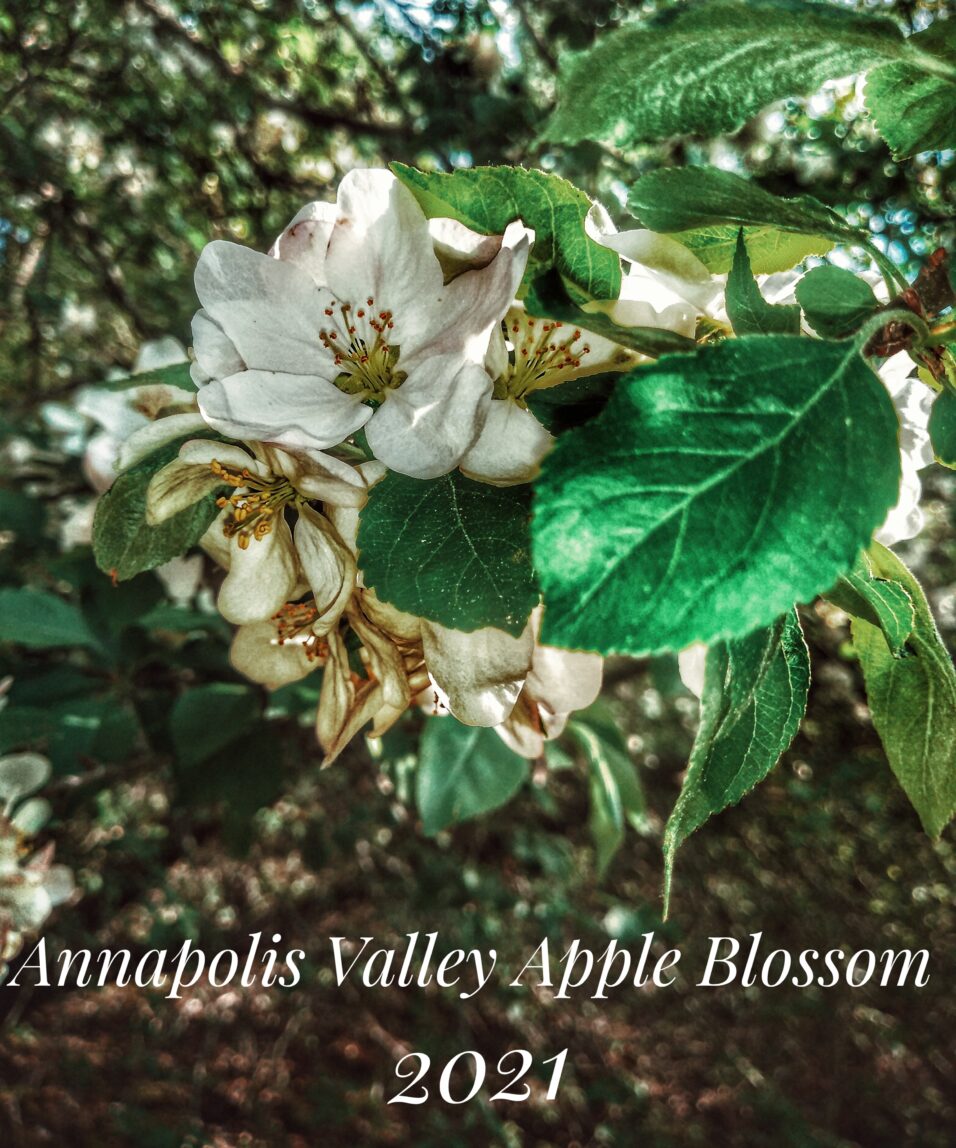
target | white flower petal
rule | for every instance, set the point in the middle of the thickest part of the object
(459, 249)
(58, 883)
(424, 428)
(320, 476)
(381, 248)
(691, 662)
(292, 410)
(178, 485)
(20, 774)
(269, 309)
(154, 435)
(510, 446)
(216, 355)
(906, 519)
(328, 565)
(345, 519)
(261, 578)
(384, 662)
(660, 253)
(564, 680)
(181, 578)
(217, 545)
(256, 653)
(392, 621)
(204, 451)
(305, 240)
(29, 904)
(481, 673)
(155, 354)
(113, 410)
(472, 304)
(521, 735)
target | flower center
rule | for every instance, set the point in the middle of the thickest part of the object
(293, 623)
(254, 508)
(537, 354)
(358, 340)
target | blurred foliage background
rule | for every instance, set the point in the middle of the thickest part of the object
(189, 803)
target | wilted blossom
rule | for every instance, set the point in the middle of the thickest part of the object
(30, 887)
(485, 677)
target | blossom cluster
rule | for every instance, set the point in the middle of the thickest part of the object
(30, 885)
(371, 338)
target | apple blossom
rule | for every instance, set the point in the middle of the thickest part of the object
(29, 889)
(267, 560)
(559, 683)
(527, 354)
(350, 324)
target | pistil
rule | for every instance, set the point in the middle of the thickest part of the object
(539, 353)
(358, 340)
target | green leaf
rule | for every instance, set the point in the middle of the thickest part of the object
(942, 428)
(913, 701)
(175, 376)
(770, 249)
(487, 199)
(463, 771)
(704, 208)
(572, 403)
(708, 67)
(914, 104)
(616, 795)
(548, 298)
(72, 732)
(242, 777)
(451, 550)
(732, 482)
(208, 718)
(679, 198)
(755, 695)
(748, 311)
(124, 544)
(879, 601)
(41, 620)
(836, 302)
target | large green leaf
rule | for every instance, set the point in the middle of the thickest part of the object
(770, 249)
(713, 491)
(914, 103)
(40, 620)
(942, 428)
(755, 695)
(463, 771)
(124, 544)
(680, 198)
(835, 301)
(452, 550)
(616, 795)
(709, 67)
(748, 311)
(487, 199)
(705, 207)
(862, 593)
(72, 732)
(913, 701)
(208, 718)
